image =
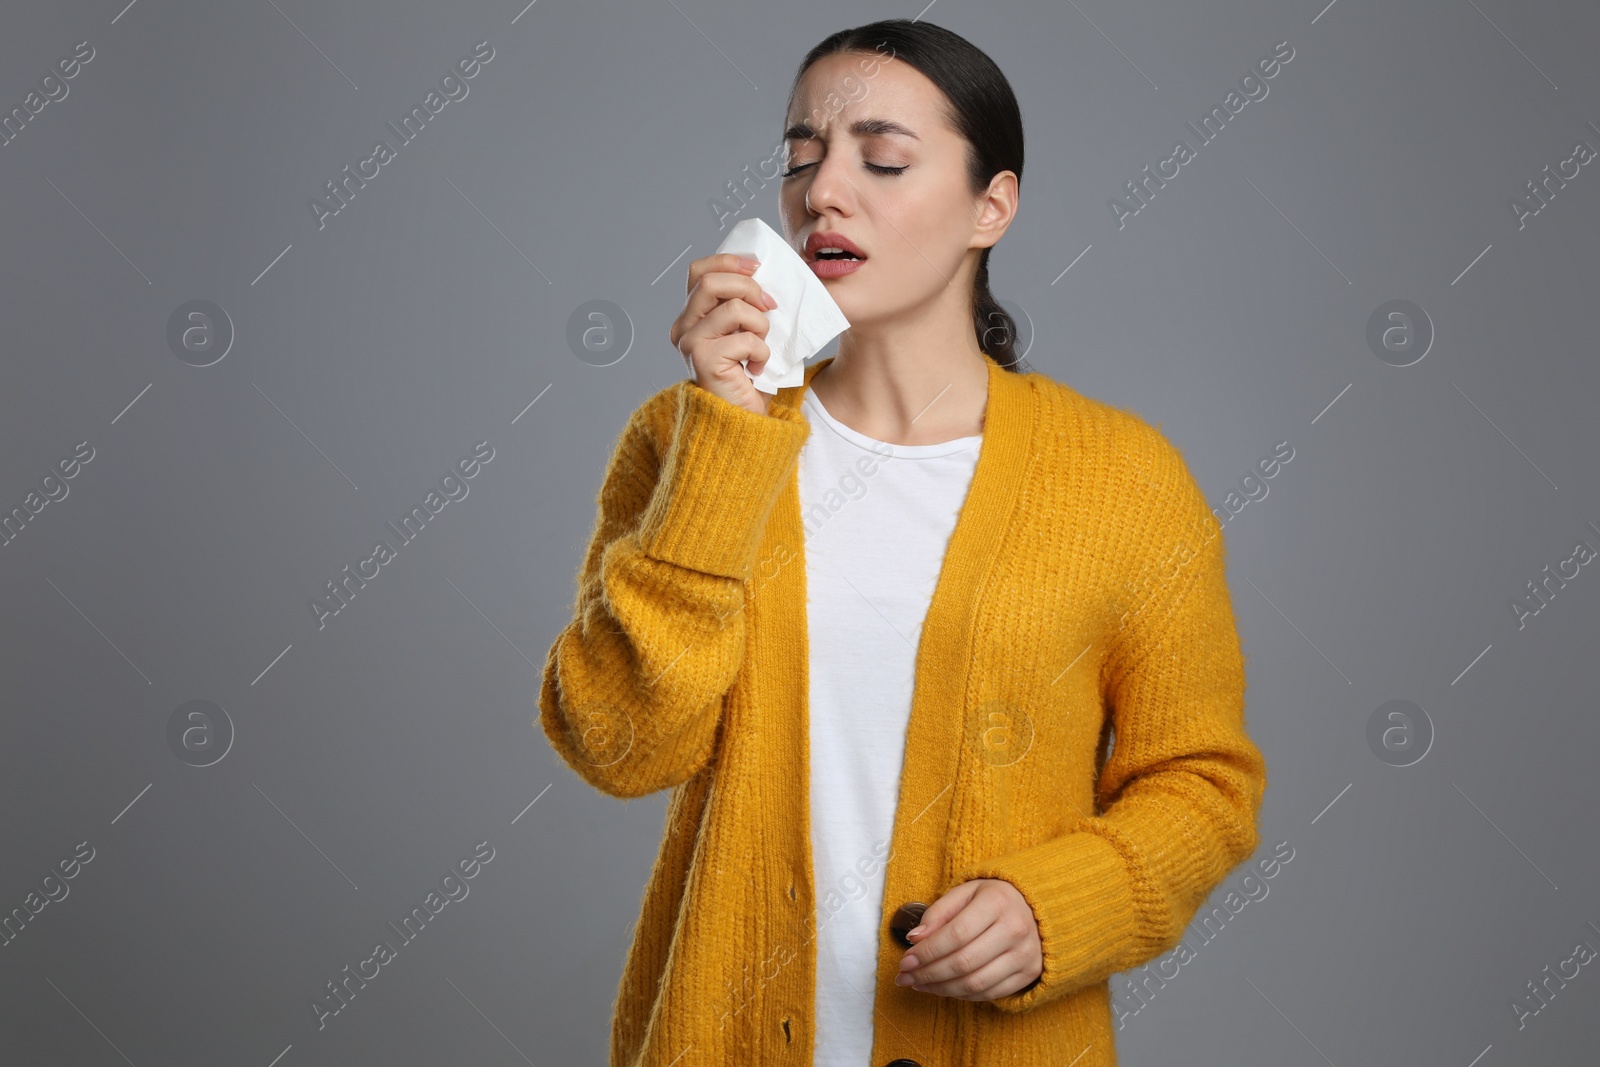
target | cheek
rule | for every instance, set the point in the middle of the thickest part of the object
(792, 207)
(926, 233)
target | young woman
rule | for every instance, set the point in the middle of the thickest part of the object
(877, 633)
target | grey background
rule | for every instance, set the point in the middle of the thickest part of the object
(371, 755)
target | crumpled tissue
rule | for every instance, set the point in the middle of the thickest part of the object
(806, 317)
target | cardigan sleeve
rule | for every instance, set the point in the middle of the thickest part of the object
(633, 687)
(1178, 797)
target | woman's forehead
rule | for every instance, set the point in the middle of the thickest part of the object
(895, 100)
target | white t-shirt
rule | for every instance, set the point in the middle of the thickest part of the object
(877, 518)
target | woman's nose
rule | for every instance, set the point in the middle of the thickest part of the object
(829, 187)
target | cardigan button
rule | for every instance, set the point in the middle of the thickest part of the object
(906, 918)
(903, 1063)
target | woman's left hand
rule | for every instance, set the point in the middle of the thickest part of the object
(979, 941)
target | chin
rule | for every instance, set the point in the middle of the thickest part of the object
(846, 304)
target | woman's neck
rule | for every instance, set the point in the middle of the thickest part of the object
(906, 396)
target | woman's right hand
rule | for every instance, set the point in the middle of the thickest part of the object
(723, 322)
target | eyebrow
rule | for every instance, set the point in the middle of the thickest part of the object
(802, 131)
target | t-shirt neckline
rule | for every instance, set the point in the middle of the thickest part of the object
(885, 448)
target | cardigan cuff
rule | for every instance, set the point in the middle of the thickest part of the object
(1078, 888)
(722, 473)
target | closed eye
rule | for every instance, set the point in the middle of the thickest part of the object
(792, 171)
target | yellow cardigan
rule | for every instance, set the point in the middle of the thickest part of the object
(1083, 592)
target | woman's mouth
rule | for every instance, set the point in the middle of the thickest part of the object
(829, 262)
(830, 254)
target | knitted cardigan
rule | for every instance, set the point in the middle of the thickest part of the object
(1082, 597)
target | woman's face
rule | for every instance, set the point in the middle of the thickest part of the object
(873, 159)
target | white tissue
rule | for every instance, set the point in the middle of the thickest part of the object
(806, 317)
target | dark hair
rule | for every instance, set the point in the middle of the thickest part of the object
(980, 106)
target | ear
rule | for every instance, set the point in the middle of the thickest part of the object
(994, 210)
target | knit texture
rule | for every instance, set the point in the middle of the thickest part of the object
(1077, 724)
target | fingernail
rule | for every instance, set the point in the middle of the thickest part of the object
(772, 301)
(915, 930)
(904, 979)
(749, 264)
(908, 963)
